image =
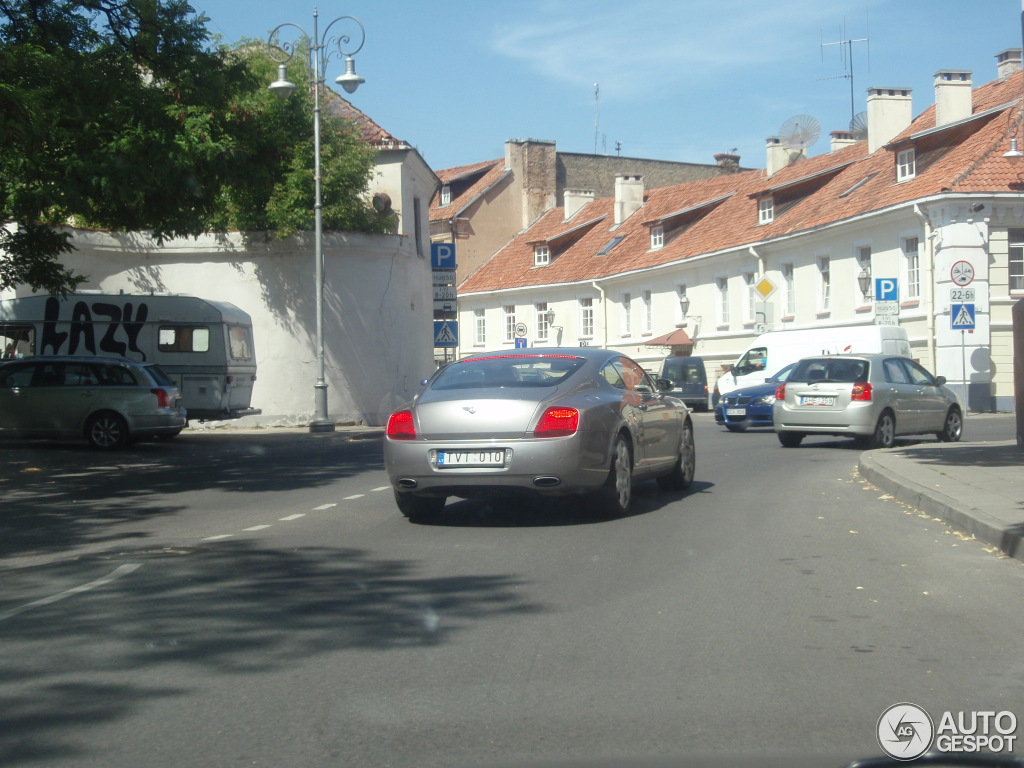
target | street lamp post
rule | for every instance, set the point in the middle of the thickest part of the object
(282, 53)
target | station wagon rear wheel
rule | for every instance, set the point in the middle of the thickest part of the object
(885, 431)
(616, 495)
(953, 427)
(106, 431)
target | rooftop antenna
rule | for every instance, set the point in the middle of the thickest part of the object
(597, 112)
(846, 50)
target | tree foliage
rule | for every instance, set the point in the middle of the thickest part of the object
(121, 114)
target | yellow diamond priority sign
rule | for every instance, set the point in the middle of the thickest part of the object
(765, 287)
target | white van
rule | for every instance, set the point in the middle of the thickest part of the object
(776, 349)
(205, 347)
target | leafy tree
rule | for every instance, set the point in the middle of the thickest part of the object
(121, 114)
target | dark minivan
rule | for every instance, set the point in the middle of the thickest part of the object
(689, 380)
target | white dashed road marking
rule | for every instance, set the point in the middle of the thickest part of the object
(256, 528)
(292, 517)
(355, 496)
(323, 507)
(121, 570)
(217, 538)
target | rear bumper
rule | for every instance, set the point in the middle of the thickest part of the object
(852, 420)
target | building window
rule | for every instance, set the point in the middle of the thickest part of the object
(789, 279)
(906, 165)
(723, 300)
(543, 319)
(417, 225)
(541, 256)
(446, 195)
(627, 314)
(766, 210)
(479, 327)
(748, 281)
(648, 313)
(913, 271)
(657, 237)
(825, 276)
(510, 322)
(1016, 263)
(586, 318)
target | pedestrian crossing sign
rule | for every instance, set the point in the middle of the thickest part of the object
(446, 333)
(962, 316)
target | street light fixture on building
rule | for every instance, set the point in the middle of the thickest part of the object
(282, 53)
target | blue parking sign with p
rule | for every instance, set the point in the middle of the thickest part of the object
(887, 289)
(442, 255)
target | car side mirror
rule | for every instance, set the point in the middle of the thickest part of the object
(940, 380)
(663, 385)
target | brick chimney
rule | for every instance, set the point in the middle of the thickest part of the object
(576, 199)
(889, 113)
(629, 195)
(728, 162)
(952, 96)
(1008, 62)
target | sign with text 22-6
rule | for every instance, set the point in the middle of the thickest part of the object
(442, 255)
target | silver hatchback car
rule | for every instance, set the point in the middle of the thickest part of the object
(108, 402)
(873, 398)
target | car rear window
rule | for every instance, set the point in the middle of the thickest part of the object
(159, 376)
(830, 369)
(511, 371)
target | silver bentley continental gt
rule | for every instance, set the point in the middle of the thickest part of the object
(546, 421)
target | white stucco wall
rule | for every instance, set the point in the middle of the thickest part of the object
(377, 310)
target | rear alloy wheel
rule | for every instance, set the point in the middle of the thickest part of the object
(953, 427)
(106, 431)
(616, 494)
(420, 507)
(790, 439)
(681, 476)
(885, 431)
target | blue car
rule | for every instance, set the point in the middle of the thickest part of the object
(750, 406)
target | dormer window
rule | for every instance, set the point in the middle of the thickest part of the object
(906, 165)
(541, 255)
(446, 195)
(766, 210)
(657, 237)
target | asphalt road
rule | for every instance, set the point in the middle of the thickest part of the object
(256, 599)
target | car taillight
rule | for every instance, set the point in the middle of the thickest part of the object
(162, 400)
(558, 422)
(780, 392)
(400, 426)
(861, 392)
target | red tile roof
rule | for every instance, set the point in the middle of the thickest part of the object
(487, 174)
(966, 156)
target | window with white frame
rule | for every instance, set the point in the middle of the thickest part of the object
(1016, 260)
(906, 164)
(824, 284)
(863, 254)
(543, 319)
(748, 281)
(912, 270)
(510, 321)
(586, 317)
(627, 314)
(766, 210)
(541, 255)
(479, 327)
(789, 281)
(446, 195)
(722, 283)
(657, 237)
(648, 313)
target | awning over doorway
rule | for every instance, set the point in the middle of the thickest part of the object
(677, 338)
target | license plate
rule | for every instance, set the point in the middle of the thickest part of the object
(817, 400)
(488, 458)
(735, 411)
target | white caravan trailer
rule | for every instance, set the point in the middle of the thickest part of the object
(772, 351)
(204, 346)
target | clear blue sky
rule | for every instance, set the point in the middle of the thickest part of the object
(679, 79)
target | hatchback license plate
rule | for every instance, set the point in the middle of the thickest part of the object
(817, 400)
(488, 458)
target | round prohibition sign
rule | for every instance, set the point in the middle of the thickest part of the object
(520, 330)
(962, 273)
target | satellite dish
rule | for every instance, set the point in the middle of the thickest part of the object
(799, 132)
(859, 126)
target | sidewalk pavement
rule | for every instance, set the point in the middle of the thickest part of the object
(976, 487)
